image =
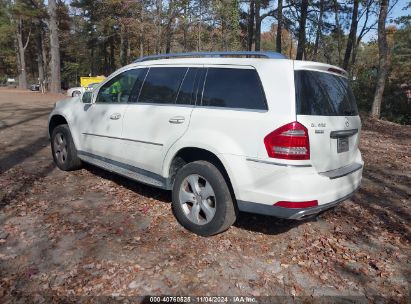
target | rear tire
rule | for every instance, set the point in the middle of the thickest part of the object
(76, 93)
(63, 149)
(202, 202)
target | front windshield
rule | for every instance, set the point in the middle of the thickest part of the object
(92, 85)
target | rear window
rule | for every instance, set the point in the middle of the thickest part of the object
(324, 94)
(233, 88)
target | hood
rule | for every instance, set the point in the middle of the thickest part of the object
(64, 102)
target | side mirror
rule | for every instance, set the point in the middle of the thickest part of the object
(86, 97)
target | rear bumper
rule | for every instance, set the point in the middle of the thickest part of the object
(289, 213)
(258, 186)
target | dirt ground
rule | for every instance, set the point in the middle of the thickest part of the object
(91, 233)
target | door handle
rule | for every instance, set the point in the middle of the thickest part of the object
(176, 120)
(115, 116)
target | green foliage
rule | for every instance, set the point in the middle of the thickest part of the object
(8, 65)
(99, 36)
(69, 72)
(395, 107)
(228, 13)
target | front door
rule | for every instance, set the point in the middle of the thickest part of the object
(102, 121)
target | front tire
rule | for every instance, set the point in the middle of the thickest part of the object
(63, 149)
(202, 202)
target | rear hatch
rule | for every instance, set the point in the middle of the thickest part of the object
(326, 106)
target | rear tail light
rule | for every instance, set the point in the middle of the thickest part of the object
(288, 142)
(298, 205)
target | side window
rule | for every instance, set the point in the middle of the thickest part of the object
(161, 85)
(120, 88)
(233, 88)
(186, 95)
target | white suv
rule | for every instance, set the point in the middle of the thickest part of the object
(226, 132)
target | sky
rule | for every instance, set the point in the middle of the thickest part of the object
(397, 11)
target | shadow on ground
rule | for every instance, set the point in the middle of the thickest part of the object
(247, 221)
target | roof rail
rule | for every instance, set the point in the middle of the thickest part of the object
(268, 55)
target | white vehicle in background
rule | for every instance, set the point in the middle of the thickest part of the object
(77, 91)
(261, 134)
(11, 82)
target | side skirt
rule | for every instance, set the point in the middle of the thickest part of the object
(131, 172)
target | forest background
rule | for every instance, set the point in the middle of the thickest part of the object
(56, 42)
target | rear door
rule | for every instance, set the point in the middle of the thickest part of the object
(326, 106)
(160, 115)
(232, 109)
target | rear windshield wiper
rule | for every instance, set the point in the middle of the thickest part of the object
(349, 113)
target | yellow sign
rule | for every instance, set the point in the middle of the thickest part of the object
(85, 81)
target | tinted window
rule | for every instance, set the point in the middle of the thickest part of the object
(233, 88)
(137, 85)
(186, 95)
(161, 85)
(120, 88)
(325, 94)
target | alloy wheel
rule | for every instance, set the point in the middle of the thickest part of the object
(197, 199)
(60, 147)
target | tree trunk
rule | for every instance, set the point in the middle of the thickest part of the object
(169, 26)
(199, 27)
(383, 60)
(169, 38)
(92, 69)
(123, 45)
(112, 58)
(40, 64)
(352, 35)
(105, 56)
(258, 26)
(354, 54)
(337, 26)
(45, 65)
(128, 51)
(301, 32)
(278, 39)
(141, 30)
(159, 8)
(223, 35)
(319, 30)
(21, 55)
(55, 86)
(185, 27)
(141, 47)
(363, 31)
(250, 30)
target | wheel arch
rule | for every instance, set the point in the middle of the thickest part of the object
(55, 120)
(194, 153)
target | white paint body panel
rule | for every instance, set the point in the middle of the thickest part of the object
(323, 148)
(149, 125)
(235, 136)
(75, 89)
